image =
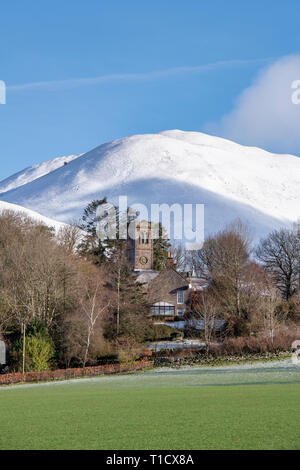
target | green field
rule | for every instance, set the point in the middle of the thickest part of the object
(240, 407)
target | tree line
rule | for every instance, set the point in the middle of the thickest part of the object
(255, 290)
(68, 299)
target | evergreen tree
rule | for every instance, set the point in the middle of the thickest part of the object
(161, 247)
(98, 251)
(129, 305)
(91, 246)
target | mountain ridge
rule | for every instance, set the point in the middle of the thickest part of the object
(232, 180)
(34, 172)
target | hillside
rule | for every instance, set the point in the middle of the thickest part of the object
(5, 206)
(231, 180)
(33, 172)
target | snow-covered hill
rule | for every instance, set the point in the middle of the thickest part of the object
(172, 167)
(5, 206)
(33, 172)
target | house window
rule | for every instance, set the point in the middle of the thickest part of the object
(180, 312)
(162, 308)
(180, 298)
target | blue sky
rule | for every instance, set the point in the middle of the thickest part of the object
(82, 73)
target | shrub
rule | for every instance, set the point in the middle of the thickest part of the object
(63, 374)
(128, 350)
(160, 333)
(39, 352)
(243, 347)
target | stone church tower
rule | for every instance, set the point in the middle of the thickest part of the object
(140, 250)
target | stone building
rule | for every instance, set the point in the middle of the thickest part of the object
(169, 290)
(140, 246)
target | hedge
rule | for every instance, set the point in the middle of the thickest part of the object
(64, 374)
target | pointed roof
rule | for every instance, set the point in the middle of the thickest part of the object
(167, 280)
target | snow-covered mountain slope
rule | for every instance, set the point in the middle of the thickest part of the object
(174, 167)
(5, 206)
(33, 172)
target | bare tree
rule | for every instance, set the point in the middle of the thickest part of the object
(206, 309)
(94, 305)
(280, 254)
(181, 256)
(223, 261)
(41, 278)
(69, 236)
(271, 315)
(35, 274)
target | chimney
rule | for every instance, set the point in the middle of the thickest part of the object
(170, 263)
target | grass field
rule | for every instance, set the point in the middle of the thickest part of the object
(240, 407)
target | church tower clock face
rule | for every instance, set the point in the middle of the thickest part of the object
(143, 260)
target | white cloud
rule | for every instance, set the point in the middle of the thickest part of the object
(141, 76)
(264, 114)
